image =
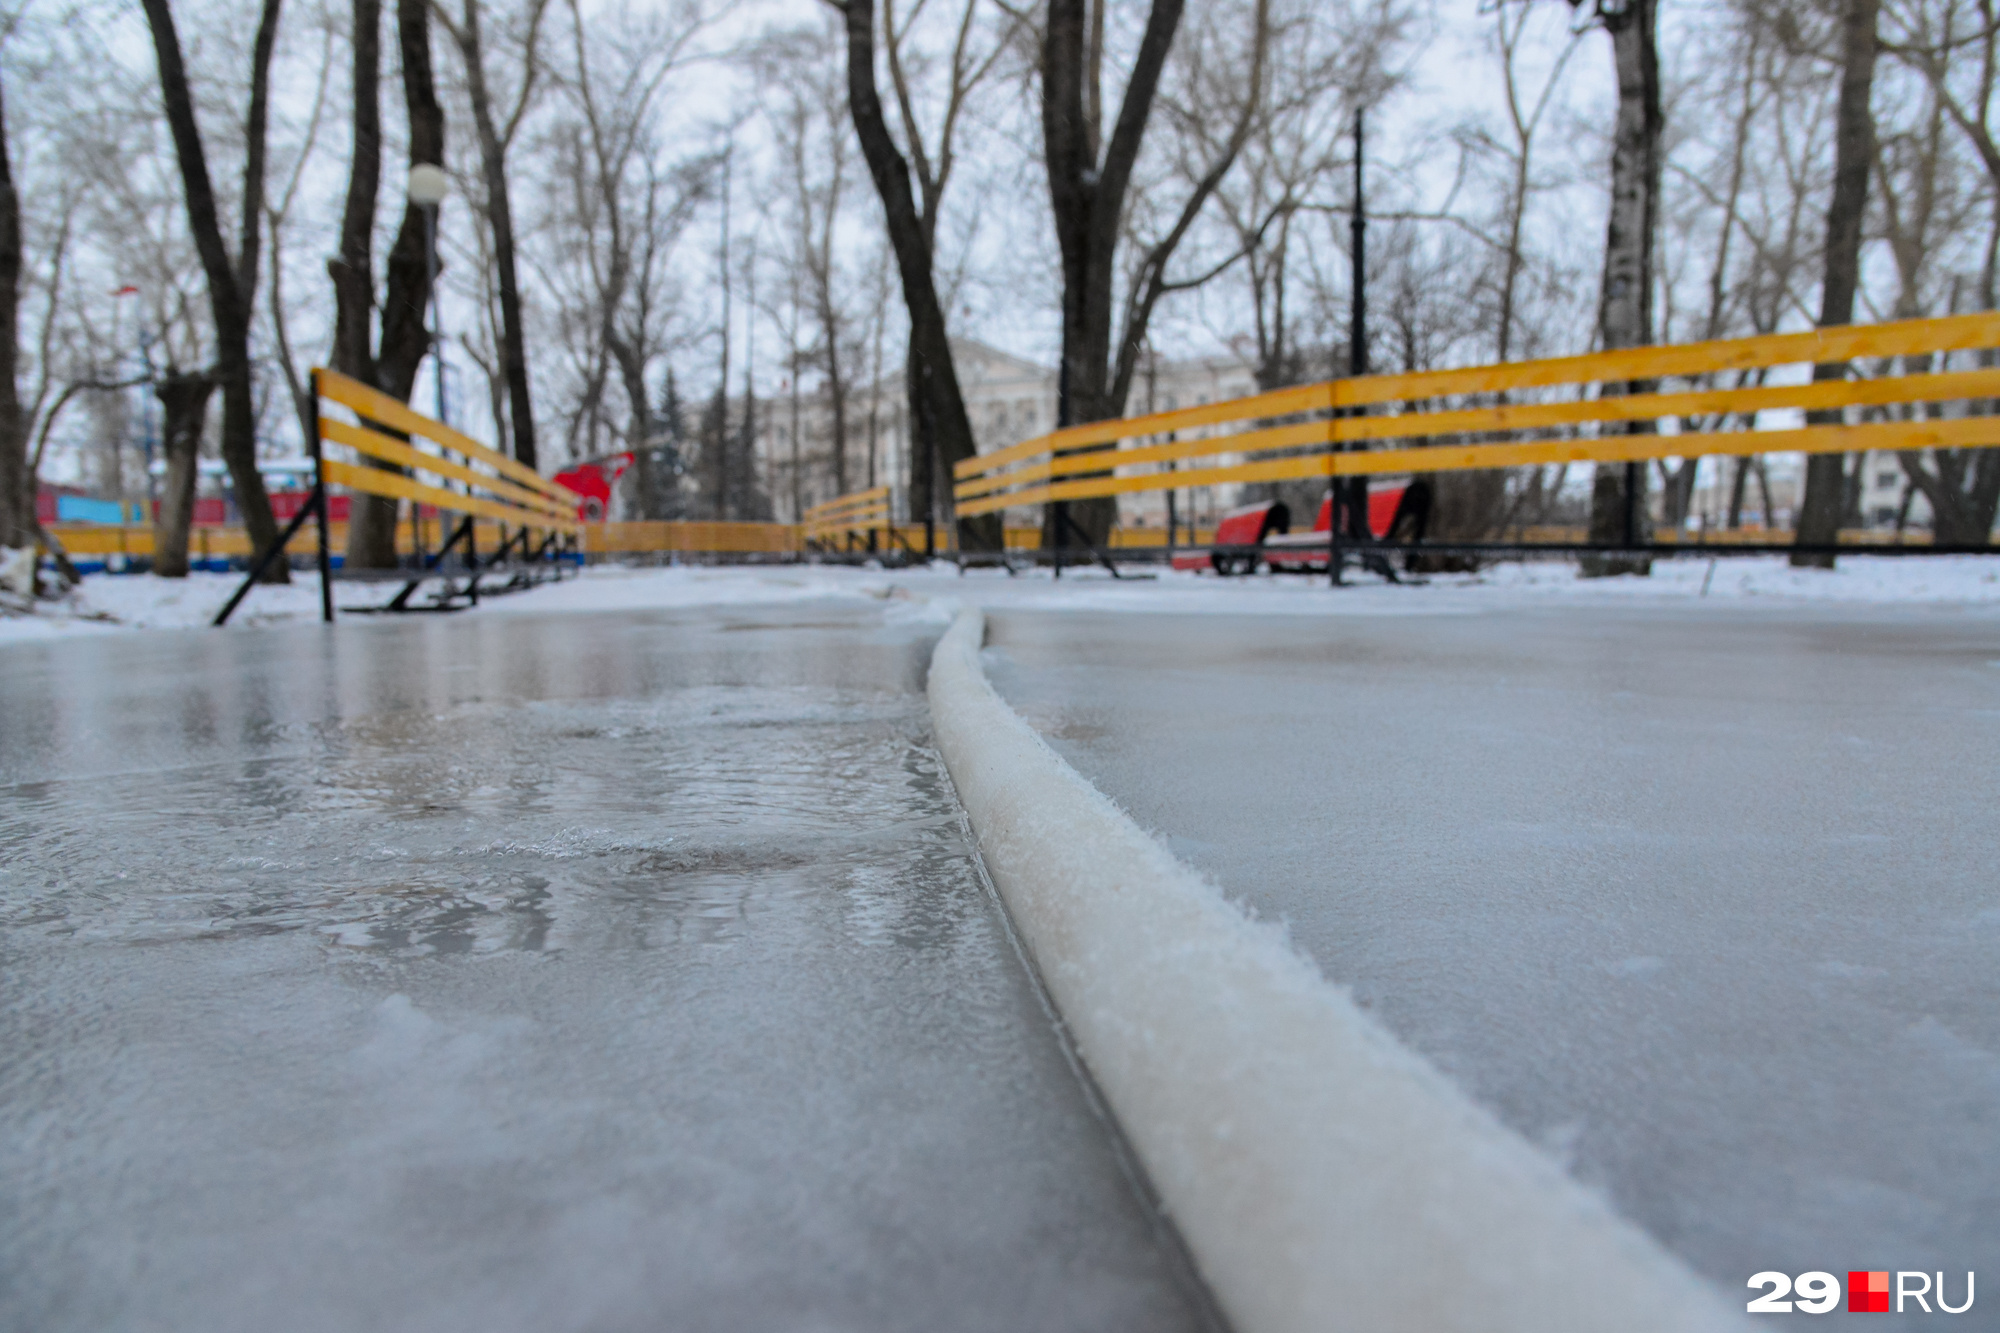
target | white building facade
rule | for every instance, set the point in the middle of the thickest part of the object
(1007, 399)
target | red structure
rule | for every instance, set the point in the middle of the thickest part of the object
(594, 480)
(1267, 527)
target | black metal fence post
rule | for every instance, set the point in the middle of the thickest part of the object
(320, 502)
(1635, 473)
(1343, 494)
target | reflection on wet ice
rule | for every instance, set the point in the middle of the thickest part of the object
(594, 971)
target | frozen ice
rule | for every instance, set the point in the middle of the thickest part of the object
(1703, 898)
(1318, 1171)
(522, 972)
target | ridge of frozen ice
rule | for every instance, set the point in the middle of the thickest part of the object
(1318, 1170)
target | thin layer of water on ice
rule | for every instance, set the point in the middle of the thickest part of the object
(513, 972)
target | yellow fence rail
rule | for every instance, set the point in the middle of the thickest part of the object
(847, 516)
(1625, 406)
(102, 542)
(491, 485)
(691, 537)
(229, 541)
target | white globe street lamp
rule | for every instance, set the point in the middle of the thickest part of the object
(429, 184)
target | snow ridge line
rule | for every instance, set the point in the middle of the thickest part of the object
(1321, 1174)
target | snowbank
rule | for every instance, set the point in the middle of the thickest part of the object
(140, 601)
(1864, 578)
(1744, 582)
(1322, 1175)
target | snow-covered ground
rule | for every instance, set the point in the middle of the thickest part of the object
(111, 602)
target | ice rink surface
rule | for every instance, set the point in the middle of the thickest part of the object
(1703, 898)
(606, 971)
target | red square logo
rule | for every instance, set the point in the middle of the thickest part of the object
(1867, 1293)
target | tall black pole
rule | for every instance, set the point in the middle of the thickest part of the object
(1060, 521)
(320, 502)
(430, 212)
(1357, 337)
(1348, 497)
(437, 310)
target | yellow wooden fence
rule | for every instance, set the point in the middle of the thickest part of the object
(229, 541)
(1580, 409)
(843, 519)
(490, 484)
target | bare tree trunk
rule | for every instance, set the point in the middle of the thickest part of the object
(405, 339)
(353, 268)
(231, 287)
(1963, 487)
(881, 319)
(836, 389)
(17, 490)
(747, 500)
(1625, 305)
(1735, 519)
(371, 529)
(184, 404)
(1853, 158)
(938, 422)
(632, 372)
(1088, 201)
(798, 452)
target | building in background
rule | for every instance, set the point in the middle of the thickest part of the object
(1007, 399)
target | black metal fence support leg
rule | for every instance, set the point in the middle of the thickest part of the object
(1635, 473)
(471, 560)
(276, 552)
(1336, 515)
(320, 502)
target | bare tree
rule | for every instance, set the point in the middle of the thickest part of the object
(878, 324)
(184, 402)
(232, 285)
(497, 131)
(390, 365)
(1706, 207)
(814, 144)
(1963, 72)
(87, 156)
(939, 430)
(17, 498)
(277, 213)
(1854, 160)
(1090, 177)
(1293, 163)
(1524, 123)
(626, 200)
(1625, 301)
(828, 309)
